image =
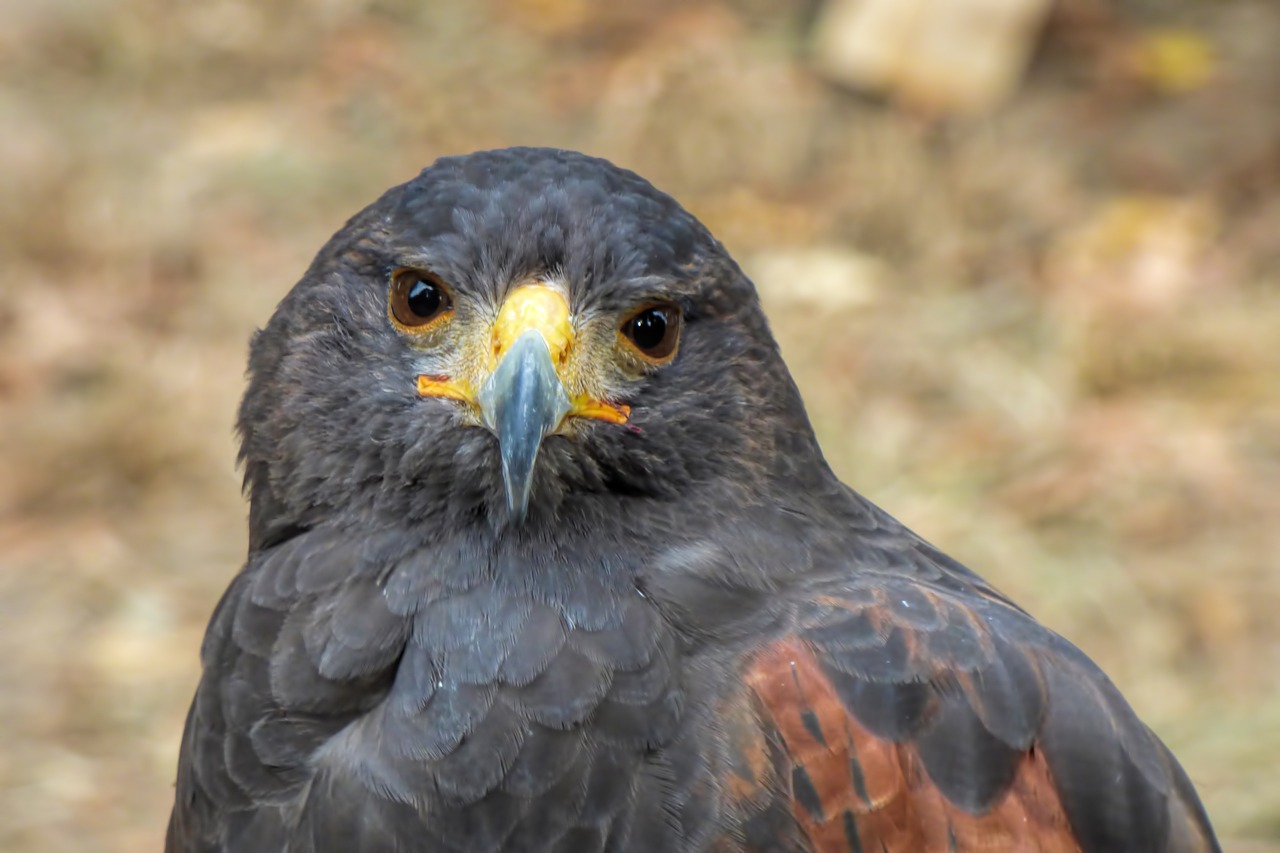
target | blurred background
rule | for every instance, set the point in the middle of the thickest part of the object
(1023, 257)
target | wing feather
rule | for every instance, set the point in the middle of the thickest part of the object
(911, 716)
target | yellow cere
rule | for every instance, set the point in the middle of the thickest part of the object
(533, 306)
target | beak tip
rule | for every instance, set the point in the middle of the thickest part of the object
(517, 482)
(517, 508)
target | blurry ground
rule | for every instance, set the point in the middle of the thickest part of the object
(1048, 339)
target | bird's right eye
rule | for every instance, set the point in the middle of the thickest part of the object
(419, 301)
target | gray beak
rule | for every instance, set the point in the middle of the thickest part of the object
(521, 403)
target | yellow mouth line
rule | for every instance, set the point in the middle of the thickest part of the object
(584, 407)
(443, 387)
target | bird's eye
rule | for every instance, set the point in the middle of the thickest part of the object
(654, 331)
(418, 300)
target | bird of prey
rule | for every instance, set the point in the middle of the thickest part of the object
(544, 555)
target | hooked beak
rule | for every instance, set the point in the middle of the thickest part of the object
(523, 402)
(526, 394)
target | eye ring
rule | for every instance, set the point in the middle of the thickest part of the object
(418, 301)
(653, 332)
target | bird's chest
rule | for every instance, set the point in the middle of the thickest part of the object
(520, 716)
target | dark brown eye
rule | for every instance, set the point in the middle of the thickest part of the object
(654, 331)
(418, 299)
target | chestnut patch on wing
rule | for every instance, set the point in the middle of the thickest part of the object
(852, 790)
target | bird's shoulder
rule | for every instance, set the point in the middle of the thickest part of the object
(355, 683)
(301, 644)
(908, 705)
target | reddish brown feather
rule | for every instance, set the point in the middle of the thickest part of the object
(898, 808)
(749, 776)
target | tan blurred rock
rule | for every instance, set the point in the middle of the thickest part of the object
(830, 278)
(1136, 256)
(953, 56)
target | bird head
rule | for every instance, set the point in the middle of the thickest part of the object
(508, 336)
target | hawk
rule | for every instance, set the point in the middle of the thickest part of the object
(544, 555)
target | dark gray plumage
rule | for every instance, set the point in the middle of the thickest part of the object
(693, 638)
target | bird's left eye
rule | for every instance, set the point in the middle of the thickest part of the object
(654, 331)
(418, 300)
